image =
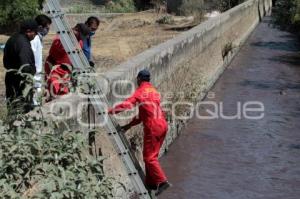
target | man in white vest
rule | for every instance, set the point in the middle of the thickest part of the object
(44, 23)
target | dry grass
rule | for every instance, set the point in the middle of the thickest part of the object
(126, 36)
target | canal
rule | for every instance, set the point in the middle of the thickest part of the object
(245, 157)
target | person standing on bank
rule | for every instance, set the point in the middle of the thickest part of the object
(44, 23)
(152, 116)
(93, 24)
(58, 66)
(20, 64)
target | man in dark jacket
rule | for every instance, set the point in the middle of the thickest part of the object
(20, 64)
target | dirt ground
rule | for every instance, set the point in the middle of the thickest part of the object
(117, 40)
(126, 36)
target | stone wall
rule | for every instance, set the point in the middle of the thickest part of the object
(183, 69)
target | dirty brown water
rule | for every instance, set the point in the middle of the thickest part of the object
(242, 158)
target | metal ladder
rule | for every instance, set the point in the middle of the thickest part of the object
(81, 64)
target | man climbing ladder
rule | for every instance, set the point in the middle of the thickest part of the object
(155, 129)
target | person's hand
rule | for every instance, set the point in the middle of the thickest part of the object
(92, 64)
(110, 111)
(125, 128)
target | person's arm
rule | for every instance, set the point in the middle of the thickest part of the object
(37, 49)
(135, 121)
(26, 57)
(128, 104)
(86, 49)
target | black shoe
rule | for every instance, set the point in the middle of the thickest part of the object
(162, 187)
(151, 187)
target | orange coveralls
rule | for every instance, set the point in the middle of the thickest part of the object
(155, 128)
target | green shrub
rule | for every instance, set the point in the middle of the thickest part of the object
(284, 12)
(286, 15)
(228, 4)
(191, 7)
(38, 162)
(81, 8)
(12, 12)
(185, 7)
(296, 17)
(166, 19)
(198, 7)
(38, 159)
(121, 6)
(3, 112)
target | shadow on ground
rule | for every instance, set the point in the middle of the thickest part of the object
(290, 60)
(288, 45)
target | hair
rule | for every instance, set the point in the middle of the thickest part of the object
(145, 79)
(144, 75)
(92, 20)
(82, 28)
(43, 20)
(29, 24)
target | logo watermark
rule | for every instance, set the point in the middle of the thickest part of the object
(183, 109)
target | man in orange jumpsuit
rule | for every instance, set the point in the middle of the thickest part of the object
(155, 128)
(58, 66)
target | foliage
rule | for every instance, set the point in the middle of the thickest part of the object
(228, 4)
(192, 7)
(146, 4)
(284, 12)
(166, 19)
(12, 12)
(185, 7)
(3, 112)
(81, 8)
(296, 18)
(199, 7)
(121, 6)
(38, 162)
(287, 14)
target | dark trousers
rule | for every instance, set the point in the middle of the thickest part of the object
(17, 100)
